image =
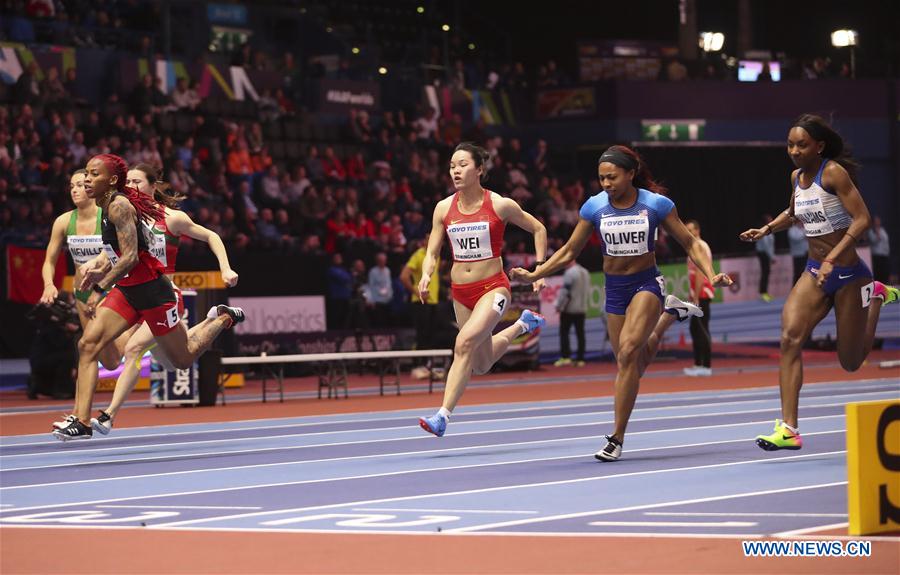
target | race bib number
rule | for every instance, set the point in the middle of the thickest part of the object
(110, 254)
(625, 235)
(471, 241)
(156, 244)
(84, 248)
(809, 209)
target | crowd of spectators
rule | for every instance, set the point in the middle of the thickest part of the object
(370, 189)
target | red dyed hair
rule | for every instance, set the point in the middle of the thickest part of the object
(145, 206)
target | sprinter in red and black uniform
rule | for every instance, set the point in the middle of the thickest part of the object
(138, 288)
(474, 220)
(164, 244)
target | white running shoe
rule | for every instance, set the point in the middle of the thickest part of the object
(681, 309)
(691, 371)
(611, 451)
(64, 422)
(704, 371)
(102, 424)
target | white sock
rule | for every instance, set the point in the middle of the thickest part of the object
(213, 313)
(444, 412)
(522, 325)
(794, 430)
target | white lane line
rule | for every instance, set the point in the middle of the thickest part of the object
(673, 523)
(173, 507)
(751, 395)
(559, 535)
(525, 486)
(608, 377)
(741, 514)
(412, 510)
(423, 452)
(419, 435)
(518, 522)
(404, 498)
(807, 530)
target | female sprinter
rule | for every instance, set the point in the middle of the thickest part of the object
(167, 233)
(79, 229)
(627, 214)
(834, 216)
(142, 291)
(474, 220)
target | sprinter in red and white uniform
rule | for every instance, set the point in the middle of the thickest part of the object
(164, 244)
(474, 220)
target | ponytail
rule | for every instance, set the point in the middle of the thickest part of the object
(162, 191)
(835, 148)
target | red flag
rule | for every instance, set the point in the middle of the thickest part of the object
(23, 274)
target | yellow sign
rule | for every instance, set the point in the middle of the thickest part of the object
(199, 280)
(143, 384)
(184, 280)
(873, 467)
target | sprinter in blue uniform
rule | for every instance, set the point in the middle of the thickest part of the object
(626, 215)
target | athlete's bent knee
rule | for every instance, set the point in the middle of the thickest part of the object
(627, 353)
(89, 348)
(791, 340)
(851, 362)
(465, 345)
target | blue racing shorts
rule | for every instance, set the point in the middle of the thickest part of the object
(840, 275)
(620, 290)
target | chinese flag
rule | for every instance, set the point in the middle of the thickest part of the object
(23, 274)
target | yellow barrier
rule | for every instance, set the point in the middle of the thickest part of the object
(873, 467)
(143, 384)
(184, 280)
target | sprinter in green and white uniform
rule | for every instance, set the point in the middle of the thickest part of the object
(79, 230)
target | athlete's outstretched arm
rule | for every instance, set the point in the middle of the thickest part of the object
(57, 235)
(181, 224)
(512, 212)
(435, 241)
(676, 228)
(580, 235)
(782, 221)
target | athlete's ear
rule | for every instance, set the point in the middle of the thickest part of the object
(113, 180)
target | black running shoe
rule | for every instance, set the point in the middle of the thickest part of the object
(235, 313)
(75, 430)
(612, 451)
(102, 424)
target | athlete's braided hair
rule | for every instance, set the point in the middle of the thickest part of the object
(163, 193)
(147, 209)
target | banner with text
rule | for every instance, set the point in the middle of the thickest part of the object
(339, 96)
(290, 314)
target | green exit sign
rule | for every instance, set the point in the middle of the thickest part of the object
(672, 130)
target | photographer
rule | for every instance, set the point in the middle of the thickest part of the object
(53, 351)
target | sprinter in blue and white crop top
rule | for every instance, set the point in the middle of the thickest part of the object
(628, 231)
(820, 210)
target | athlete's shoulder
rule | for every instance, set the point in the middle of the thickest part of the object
(442, 207)
(592, 204)
(63, 218)
(662, 204)
(833, 170)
